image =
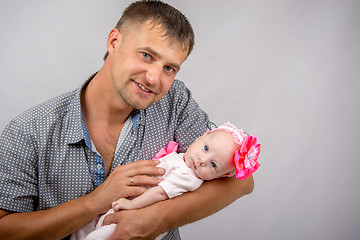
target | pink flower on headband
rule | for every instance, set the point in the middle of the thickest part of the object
(245, 158)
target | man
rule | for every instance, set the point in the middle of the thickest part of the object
(64, 162)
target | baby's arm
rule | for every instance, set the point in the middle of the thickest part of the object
(151, 196)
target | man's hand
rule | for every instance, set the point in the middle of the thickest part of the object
(133, 224)
(151, 221)
(127, 181)
(62, 220)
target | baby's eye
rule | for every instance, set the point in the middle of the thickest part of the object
(213, 164)
(206, 148)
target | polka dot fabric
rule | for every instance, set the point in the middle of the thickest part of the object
(44, 160)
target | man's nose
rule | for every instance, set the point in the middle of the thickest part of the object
(153, 73)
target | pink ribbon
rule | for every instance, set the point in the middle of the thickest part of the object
(171, 147)
(246, 158)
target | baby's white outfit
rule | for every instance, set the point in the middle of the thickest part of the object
(178, 178)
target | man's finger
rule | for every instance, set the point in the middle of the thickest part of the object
(140, 169)
(143, 180)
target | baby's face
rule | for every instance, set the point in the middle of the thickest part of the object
(211, 155)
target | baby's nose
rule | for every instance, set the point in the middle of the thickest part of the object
(202, 162)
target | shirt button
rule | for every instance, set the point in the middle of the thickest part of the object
(99, 166)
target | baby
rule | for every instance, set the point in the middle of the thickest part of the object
(221, 152)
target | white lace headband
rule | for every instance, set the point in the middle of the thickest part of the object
(245, 158)
(238, 134)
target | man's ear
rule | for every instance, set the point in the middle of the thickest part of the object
(113, 39)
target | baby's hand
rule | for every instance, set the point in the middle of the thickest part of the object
(122, 203)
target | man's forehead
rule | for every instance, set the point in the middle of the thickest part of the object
(158, 27)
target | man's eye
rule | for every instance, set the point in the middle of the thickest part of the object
(213, 164)
(206, 148)
(168, 69)
(145, 55)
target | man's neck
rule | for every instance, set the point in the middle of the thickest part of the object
(101, 104)
(104, 116)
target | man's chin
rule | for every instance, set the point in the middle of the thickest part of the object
(141, 106)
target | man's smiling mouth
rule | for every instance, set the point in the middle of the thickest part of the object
(143, 88)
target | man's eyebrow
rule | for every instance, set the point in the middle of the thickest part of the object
(156, 54)
(150, 50)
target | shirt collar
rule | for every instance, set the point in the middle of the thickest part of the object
(76, 124)
(135, 117)
(74, 127)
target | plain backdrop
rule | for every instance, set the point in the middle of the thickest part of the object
(286, 71)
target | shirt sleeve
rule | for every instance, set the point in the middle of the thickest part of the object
(18, 171)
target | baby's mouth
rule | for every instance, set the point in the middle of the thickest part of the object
(193, 164)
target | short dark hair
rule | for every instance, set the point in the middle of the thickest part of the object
(173, 22)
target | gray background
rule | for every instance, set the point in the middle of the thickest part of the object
(286, 71)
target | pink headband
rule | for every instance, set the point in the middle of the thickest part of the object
(238, 134)
(245, 158)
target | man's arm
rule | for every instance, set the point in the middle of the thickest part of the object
(151, 221)
(55, 223)
(60, 221)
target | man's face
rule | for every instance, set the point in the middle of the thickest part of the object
(144, 64)
(211, 155)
